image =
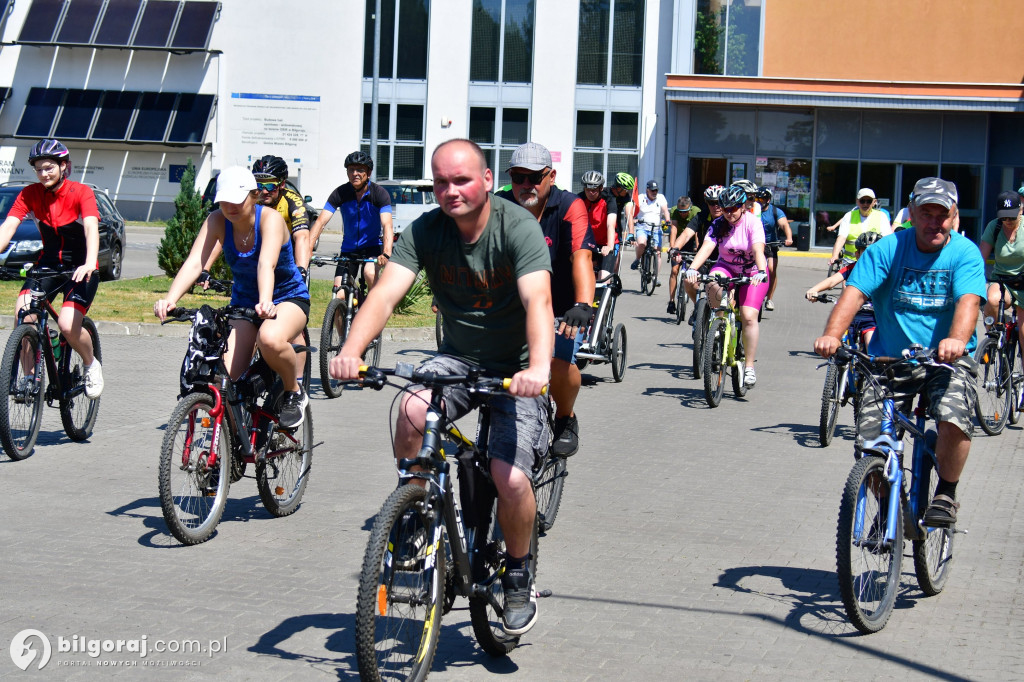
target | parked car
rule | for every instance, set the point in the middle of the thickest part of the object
(409, 200)
(26, 243)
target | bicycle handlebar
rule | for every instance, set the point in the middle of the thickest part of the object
(230, 312)
(475, 381)
(9, 273)
(320, 261)
(822, 297)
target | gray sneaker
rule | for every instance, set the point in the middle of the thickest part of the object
(567, 436)
(519, 610)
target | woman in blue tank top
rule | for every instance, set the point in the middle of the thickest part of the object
(257, 246)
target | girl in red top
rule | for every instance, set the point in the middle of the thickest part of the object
(602, 223)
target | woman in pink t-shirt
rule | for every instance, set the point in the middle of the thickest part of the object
(739, 236)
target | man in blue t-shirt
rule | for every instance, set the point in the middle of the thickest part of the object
(773, 220)
(926, 284)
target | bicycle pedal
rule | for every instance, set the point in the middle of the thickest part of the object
(542, 593)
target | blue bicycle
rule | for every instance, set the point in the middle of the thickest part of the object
(883, 503)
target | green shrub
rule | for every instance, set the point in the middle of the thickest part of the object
(189, 213)
(417, 293)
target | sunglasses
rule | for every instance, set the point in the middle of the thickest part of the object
(532, 178)
(267, 186)
(712, 203)
(865, 200)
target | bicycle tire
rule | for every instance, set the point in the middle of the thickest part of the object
(869, 573)
(332, 336)
(399, 609)
(993, 401)
(438, 328)
(681, 301)
(21, 415)
(829, 405)
(548, 490)
(185, 478)
(933, 555)
(652, 278)
(700, 328)
(645, 277)
(619, 348)
(307, 365)
(1016, 379)
(281, 479)
(714, 362)
(78, 412)
(739, 386)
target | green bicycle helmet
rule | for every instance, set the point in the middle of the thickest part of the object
(625, 181)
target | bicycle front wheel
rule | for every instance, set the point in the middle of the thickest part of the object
(868, 567)
(701, 317)
(993, 404)
(401, 589)
(829, 405)
(933, 554)
(332, 337)
(681, 301)
(282, 475)
(548, 490)
(1016, 379)
(618, 352)
(649, 268)
(21, 413)
(194, 489)
(714, 362)
(77, 411)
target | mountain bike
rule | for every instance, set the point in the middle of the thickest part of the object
(723, 346)
(701, 321)
(426, 549)
(36, 352)
(649, 263)
(883, 503)
(338, 318)
(201, 455)
(605, 341)
(682, 300)
(843, 383)
(1000, 377)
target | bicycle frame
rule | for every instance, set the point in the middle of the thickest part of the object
(727, 307)
(55, 385)
(1004, 329)
(594, 347)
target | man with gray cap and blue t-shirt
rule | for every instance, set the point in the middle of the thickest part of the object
(926, 285)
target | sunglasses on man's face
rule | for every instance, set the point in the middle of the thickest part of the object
(533, 178)
(865, 201)
(267, 186)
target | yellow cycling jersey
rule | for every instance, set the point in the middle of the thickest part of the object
(293, 210)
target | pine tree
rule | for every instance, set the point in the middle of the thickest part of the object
(189, 213)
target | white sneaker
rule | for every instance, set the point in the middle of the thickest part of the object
(769, 305)
(749, 377)
(93, 380)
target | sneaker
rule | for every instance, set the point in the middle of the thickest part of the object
(567, 436)
(691, 321)
(21, 388)
(635, 265)
(769, 304)
(671, 310)
(749, 377)
(293, 411)
(657, 282)
(519, 610)
(93, 380)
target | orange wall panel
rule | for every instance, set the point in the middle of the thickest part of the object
(944, 41)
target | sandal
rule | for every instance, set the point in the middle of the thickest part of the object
(941, 513)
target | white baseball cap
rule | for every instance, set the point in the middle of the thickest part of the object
(865, 192)
(234, 184)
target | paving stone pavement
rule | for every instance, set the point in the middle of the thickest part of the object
(692, 543)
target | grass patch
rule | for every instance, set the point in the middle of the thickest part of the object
(131, 300)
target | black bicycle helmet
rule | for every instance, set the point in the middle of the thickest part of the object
(763, 193)
(270, 167)
(359, 158)
(713, 192)
(732, 196)
(593, 179)
(50, 149)
(866, 239)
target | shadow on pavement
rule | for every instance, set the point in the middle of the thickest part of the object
(244, 509)
(806, 435)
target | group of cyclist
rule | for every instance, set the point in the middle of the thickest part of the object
(505, 266)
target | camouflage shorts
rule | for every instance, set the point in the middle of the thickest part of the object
(951, 396)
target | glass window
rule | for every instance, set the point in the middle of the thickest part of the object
(592, 48)
(413, 23)
(622, 163)
(625, 130)
(727, 37)
(79, 21)
(899, 135)
(408, 163)
(838, 133)
(193, 113)
(486, 40)
(517, 65)
(383, 121)
(481, 124)
(1006, 140)
(628, 43)
(195, 25)
(387, 39)
(515, 126)
(155, 25)
(836, 192)
(590, 129)
(785, 133)
(583, 162)
(40, 108)
(154, 113)
(382, 165)
(721, 131)
(118, 22)
(967, 179)
(409, 122)
(501, 171)
(911, 174)
(963, 137)
(41, 21)
(116, 112)
(77, 114)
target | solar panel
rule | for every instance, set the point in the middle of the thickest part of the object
(40, 108)
(195, 25)
(193, 113)
(118, 22)
(79, 22)
(155, 26)
(76, 117)
(115, 115)
(41, 21)
(154, 113)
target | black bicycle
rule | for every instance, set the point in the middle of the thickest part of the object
(426, 549)
(201, 455)
(998, 354)
(649, 264)
(36, 352)
(338, 319)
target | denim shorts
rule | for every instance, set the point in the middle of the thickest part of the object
(645, 231)
(566, 349)
(520, 434)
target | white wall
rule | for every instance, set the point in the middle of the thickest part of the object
(553, 116)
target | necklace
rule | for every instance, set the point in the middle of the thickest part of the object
(248, 237)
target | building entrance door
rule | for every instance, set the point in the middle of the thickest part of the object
(703, 174)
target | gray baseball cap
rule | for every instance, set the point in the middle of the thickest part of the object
(531, 156)
(935, 191)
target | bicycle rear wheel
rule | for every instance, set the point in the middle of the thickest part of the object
(78, 412)
(619, 352)
(993, 402)
(649, 268)
(829, 405)
(1016, 380)
(933, 555)
(401, 589)
(681, 301)
(282, 475)
(701, 318)
(332, 337)
(548, 490)
(714, 362)
(193, 490)
(21, 412)
(868, 568)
